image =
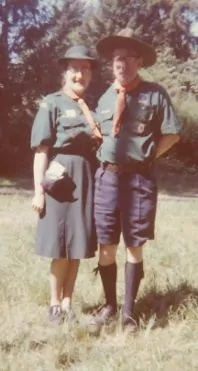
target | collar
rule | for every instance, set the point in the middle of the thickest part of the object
(129, 87)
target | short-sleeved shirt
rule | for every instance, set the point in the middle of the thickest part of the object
(60, 124)
(148, 115)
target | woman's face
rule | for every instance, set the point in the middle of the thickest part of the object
(78, 75)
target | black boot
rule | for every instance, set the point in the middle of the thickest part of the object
(105, 315)
(133, 275)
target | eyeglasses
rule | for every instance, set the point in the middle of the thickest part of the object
(127, 59)
(83, 70)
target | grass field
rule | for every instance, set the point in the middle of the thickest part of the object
(167, 301)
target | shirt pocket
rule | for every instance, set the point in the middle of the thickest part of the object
(69, 128)
(143, 118)
(105, 118)
(68, 123)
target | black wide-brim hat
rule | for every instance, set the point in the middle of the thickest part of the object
(78, 52)
(126, 39)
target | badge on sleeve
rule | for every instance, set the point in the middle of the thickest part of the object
(43, 104)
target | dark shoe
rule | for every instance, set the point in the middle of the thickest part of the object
(55, 314)
(129, 324)
(103, 317)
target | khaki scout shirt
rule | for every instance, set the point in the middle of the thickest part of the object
(60, 124)
(148, 115)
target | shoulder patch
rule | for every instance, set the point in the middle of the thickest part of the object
(43, 104)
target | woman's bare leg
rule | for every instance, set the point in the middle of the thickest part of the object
(69, 282)
(59, 268)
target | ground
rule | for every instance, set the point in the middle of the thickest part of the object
(167, 302)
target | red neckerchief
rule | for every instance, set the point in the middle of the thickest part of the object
(87, 113)
(121, 101)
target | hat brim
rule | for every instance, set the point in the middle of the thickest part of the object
(64, 60)
(107, 45)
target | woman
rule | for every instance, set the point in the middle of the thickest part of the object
(65, 136)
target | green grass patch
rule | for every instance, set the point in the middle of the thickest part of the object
(167, 302)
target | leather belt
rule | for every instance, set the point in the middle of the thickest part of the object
(132, 166)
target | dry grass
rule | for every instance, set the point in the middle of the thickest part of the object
(167, 301)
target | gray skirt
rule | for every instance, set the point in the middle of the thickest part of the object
(66, 227)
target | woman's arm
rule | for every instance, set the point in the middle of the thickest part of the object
(39, 168)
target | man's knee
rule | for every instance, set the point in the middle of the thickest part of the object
(107, 254)
(134, 254)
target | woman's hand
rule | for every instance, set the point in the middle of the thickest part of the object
(38, 202)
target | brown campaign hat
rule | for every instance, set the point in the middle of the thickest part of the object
(126, 39)
(78, 52)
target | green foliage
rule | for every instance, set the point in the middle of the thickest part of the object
(181, 81)
(35, 33)
(22, 23)
(32, 71)
(163, 24)
(167, 301)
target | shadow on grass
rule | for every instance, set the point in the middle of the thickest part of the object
(7, 347)
(92, 309)
(161, 305)
(175, 178)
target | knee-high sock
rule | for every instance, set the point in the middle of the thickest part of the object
(133, 275)
(109, 276)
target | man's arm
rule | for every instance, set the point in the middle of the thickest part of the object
(166, 142)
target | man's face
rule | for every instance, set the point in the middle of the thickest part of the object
(78, 75)
(126, 63)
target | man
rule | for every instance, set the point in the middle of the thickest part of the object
(138, 124)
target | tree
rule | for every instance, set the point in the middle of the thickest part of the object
(39, 74)
(33, 35)
(20, 20)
